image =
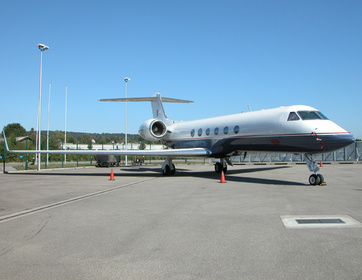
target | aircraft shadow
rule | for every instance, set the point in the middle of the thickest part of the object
(263, 181)
(242, 179)
(181, 172)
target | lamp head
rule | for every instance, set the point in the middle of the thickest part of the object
(43, 47)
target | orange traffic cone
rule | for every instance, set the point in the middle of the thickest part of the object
(222, 179)
(321, 164)
(112, 176)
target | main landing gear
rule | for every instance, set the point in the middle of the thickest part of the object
(316, 178)
(222, 165)
(168, 168)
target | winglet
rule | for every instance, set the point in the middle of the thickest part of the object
(6, 142)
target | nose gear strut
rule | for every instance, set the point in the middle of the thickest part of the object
(316, 178)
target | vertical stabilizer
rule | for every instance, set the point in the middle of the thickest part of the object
(157, 108)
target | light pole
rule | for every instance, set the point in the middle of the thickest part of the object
(50, 85)
(126, 79)
(65, 125)
(42, 48)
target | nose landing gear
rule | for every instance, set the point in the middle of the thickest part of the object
(316, 178)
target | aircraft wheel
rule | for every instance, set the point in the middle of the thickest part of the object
(314, 180)
(173, 170)
(166, 170)
(225, 168)
(321, 179)
(218, 167)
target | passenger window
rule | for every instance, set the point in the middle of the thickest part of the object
(207, 131)
(236, 129)
(199, 132)
(216, 131)
(293, 117)
(193, 133)
(226, 130)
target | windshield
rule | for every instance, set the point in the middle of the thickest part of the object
(312, 115)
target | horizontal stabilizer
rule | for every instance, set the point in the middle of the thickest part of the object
(156, 103)
(140, 99)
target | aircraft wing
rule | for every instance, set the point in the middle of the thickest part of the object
(191, 152)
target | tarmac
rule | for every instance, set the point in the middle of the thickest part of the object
(78, 224)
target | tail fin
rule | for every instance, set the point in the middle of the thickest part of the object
(156, 102)
(157, 108)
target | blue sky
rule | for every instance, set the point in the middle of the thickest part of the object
(224, 55)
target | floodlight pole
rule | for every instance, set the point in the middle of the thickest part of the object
(126, 79)
(65, 125)
(50, 85)
(42, 48)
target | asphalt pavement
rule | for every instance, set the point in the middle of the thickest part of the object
(78, 224)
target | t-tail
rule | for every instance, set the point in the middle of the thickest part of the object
(156, 128)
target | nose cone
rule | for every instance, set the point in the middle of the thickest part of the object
(338, 141)
(349, 140)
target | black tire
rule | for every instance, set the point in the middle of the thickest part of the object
(321, 179)
(166, 171)
(218, 167)
(173, 170)
(314, 180)
(225, 168)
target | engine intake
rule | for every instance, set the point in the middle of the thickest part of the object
(153, 130)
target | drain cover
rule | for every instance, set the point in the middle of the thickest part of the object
(320, 221)
(313, 221)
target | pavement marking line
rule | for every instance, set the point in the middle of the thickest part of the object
(67, 201)
(320, 221)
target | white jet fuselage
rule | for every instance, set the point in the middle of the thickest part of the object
(260, 131)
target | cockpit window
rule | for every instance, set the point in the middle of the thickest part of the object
(312, 115)
(293, 117)
(322, 115)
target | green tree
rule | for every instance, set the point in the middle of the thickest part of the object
(58, 136)
(85, 139)
(14, 130)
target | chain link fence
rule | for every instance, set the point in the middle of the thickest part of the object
(351, 153)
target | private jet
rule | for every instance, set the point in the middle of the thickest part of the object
(294, 129)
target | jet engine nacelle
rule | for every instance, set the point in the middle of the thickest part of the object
(153, 130)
